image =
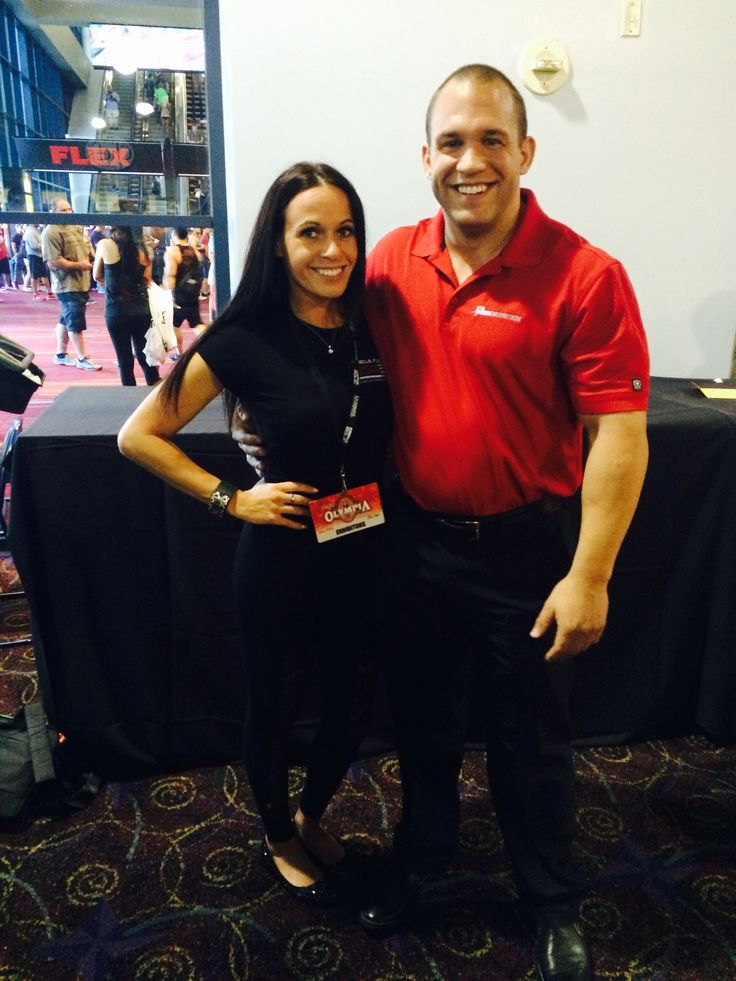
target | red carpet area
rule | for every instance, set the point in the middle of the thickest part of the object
(31, 323)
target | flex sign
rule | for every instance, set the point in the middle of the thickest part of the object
(85, 156)
(107, 157)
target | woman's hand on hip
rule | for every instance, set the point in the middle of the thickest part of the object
(275, 504)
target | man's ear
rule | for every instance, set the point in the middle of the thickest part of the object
(528, 147)
(425, 162)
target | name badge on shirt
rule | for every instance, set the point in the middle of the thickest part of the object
(370, 370)
(354, 509)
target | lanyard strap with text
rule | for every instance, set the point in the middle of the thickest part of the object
(347, 431)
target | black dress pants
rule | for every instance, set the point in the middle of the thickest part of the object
(465, 602)
(308, 615)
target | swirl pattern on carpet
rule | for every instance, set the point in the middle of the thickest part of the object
(158, 879)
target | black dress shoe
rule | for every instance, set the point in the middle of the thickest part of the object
(563, 954)
(320, 893)
(395, 906)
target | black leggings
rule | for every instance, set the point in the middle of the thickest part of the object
(307, 612)
(124, 328)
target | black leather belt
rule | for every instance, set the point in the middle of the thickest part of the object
(474, 528)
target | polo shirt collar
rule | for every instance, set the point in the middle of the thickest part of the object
(526, 248)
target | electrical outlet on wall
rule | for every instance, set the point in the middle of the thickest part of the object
(631, 18)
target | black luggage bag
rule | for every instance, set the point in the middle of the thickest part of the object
(19, 376)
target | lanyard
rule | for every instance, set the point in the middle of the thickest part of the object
(343, 438)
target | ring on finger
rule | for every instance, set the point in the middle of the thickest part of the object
(291, 496)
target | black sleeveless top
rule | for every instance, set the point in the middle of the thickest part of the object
(188, 276)
(123, 292)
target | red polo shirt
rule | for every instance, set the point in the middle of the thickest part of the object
(488, 378)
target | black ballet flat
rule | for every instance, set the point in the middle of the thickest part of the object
(320, 893)
(342, 872)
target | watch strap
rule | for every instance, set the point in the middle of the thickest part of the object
(220, 498)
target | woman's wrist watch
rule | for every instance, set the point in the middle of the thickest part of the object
(220, 498)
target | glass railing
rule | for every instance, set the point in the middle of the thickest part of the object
(109, 191)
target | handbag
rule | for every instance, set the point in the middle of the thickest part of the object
(34, 778)
(26, 758)
(160, 336)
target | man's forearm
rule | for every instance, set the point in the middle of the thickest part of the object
(614, 474)
(66, 264)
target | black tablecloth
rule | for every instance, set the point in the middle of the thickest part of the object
(132, 613)
(667, 661)
(129, 586)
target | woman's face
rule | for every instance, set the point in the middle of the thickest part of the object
(319, 249)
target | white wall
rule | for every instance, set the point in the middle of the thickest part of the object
(637, 152)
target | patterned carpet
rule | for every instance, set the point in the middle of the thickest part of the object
(158, 879)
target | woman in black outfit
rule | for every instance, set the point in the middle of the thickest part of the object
(293, 347)
(123, 266)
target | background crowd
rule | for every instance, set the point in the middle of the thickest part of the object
(167, 256)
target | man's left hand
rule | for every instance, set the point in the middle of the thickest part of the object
(243, 431)
(579, 609)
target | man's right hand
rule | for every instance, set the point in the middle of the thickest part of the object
(245, 435)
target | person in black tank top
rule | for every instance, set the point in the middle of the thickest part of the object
(183, 276)
(292, 345)
(123, 266)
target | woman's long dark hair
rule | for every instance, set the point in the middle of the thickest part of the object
(263, 289)
(129, 248)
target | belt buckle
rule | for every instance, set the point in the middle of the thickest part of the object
(469, 528)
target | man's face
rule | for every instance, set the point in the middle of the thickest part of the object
(63, 207)
(475, 157)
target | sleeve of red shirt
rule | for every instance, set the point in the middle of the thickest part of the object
(605, 353)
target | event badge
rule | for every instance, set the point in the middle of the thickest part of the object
(353, 509)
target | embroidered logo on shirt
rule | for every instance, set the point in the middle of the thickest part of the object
(636, 384)
(480, 311)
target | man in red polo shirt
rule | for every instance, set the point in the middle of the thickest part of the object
(504, 334)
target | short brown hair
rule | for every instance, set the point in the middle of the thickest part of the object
(489, 75)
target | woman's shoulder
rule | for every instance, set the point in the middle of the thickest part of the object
(225, 346)
(238, 334)
(108, 250)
